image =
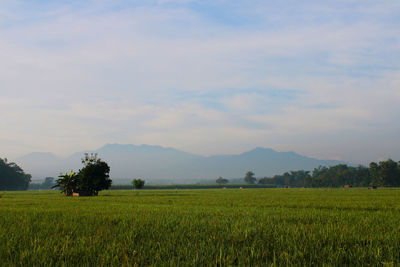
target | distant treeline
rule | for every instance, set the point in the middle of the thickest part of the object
(48, 183)
(12, 177)
(385, 173)
(193, 186)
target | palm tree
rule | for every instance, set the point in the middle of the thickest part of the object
(67, 183)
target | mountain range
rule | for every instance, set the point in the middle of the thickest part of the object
(169, 165)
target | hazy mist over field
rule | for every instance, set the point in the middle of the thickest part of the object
(168, 165)
(205, 77)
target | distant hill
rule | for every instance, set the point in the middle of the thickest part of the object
(169, 165)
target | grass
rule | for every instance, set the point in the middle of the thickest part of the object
(194, 186)
(301, 227)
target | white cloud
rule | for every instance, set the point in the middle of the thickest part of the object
(82, 77)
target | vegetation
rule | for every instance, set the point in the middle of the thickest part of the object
(385, 173)
(94, 176)
(249, 178)
(12, 177)
(221, 180)
(257, 227)
(194, 186)
(48, 183)
(138, 183)
(67, 183)
(89, 181)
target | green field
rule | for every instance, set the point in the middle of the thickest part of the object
(301, 227)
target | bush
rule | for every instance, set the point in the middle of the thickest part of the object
(138, 183)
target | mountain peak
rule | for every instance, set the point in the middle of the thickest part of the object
(117, 148)
(157, 162)
(259, 150)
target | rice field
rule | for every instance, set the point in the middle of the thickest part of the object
(251, 227)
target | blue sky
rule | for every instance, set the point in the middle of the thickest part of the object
(207, 77)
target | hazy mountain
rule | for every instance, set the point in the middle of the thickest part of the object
(156, 163)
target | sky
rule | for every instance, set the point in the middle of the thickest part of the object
(321, 78)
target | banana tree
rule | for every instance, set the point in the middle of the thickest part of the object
(67, 183)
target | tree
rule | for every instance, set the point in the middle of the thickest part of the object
(266, 180)
(249, 178)
(48, 183)
(386, 173)
(299, 178)
(221, 180)
(362, 176)
(67, 183)
(389, 171)
(94, 176)
(12, 177)
(138, 183)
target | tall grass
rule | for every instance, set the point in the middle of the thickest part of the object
(202, 227)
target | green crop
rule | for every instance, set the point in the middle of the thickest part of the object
(251, 227)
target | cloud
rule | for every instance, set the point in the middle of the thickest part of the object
(203, 76)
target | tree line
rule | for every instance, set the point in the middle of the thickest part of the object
(385, 173)
(48, 183)
(94, 177)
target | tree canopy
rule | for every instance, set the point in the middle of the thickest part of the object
(384, 173)
(67, 183)
(12, 177)
(89, 181)
(94, 176)
(221, 180)
(249, 177)
(47, 183)
(138, 183)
